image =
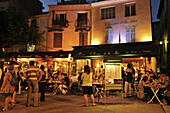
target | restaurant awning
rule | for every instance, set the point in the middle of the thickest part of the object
(123, 50)
(55, 54)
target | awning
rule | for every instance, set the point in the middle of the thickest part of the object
(55, 54)
(124, 50)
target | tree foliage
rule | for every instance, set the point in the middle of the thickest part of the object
(15, 31)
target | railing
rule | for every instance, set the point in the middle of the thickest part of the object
(82, 25)
(60, 23)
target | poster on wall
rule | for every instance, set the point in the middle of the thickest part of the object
(112, 71)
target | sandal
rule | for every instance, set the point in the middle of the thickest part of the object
(5, 109)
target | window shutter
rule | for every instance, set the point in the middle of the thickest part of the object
(133, 10)
(110, 35)
(80, 38)
(128, 35)
(57, 40)
(133, 37)
(127, 10)
(85, 38)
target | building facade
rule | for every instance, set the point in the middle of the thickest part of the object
(121, 21)
(121, 33)
(68, 25)
(164, 16)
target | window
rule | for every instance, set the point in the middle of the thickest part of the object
(30, 48)
(108, 13)
(59, 19)
(83, 38)
(57, 40)
(82, 19)
(108, 36)
(130, 34)
(130, 10)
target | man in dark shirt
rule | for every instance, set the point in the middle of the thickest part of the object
(65, 84)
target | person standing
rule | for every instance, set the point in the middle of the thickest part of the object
(32, 79)
(7, 89)
(87, 85)
(128, 79)
(42, 83)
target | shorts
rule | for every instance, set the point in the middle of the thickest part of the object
(87, 90)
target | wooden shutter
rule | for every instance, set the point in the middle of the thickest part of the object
(57, 40)
(128, 34)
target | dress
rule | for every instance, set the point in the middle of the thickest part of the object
(8, 88)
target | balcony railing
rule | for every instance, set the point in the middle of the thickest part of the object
(61, 23)
(82, 25)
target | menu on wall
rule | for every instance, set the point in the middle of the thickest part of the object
(113, 71)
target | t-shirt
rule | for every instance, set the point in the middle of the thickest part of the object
(86, 79)
(74, 79)
(32, 73)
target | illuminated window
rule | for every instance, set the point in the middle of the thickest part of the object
(108, 13)
(130, 34)
(57, 40)
(130, 10)
(83, 38)
(30, 48)
(108, 36)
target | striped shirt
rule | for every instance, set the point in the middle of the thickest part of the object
(32, 73)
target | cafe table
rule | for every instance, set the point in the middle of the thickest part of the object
(155, 90)
(98, 87)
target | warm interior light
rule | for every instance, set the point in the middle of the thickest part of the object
(160, 42)
(95, 43)
(141, 57)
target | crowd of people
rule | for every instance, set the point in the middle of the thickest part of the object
(143, 82)
(38, 80)
(35, 80)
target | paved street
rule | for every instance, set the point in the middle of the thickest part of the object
(74, 104)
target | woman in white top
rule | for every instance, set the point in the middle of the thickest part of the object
(87, 85)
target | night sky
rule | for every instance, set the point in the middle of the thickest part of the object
(154, 3)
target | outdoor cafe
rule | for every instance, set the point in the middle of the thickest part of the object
(113, 58)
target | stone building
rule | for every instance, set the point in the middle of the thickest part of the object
(164, 16)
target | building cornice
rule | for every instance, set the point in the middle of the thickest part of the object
(108, 2)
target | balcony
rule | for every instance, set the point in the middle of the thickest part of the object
(58, 25)
(82, 25)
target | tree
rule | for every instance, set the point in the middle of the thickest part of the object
(15, 31)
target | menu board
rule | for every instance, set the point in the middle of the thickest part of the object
(113, 71)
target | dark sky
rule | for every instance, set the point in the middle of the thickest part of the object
(154, 4)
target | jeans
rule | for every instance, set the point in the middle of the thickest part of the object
(32, 85)
(127, 85)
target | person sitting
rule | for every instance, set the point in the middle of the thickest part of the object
(73, 82)
(142, 84)
(163, 83)
(65, 84)
(54, 78)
